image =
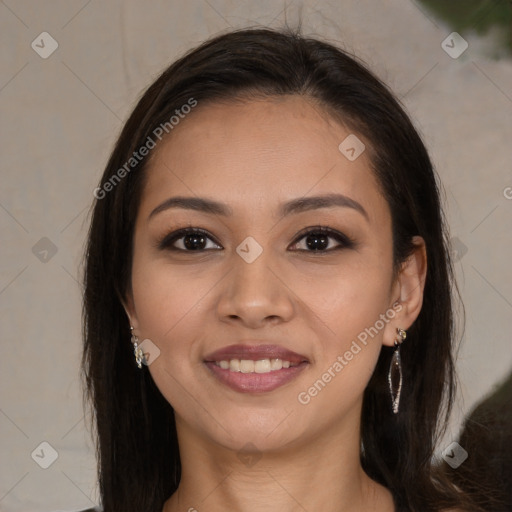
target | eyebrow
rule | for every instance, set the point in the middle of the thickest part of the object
(293, 206)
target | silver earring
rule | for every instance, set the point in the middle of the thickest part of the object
(395, 372)
(137, 351)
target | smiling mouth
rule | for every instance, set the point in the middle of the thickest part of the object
(258, 366)
(256, 377)
(255, 368)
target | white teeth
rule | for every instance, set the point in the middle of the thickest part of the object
(250, 366)
(246, 366)
(262, 366)
(276, 364)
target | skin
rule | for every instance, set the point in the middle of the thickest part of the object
(253, 156)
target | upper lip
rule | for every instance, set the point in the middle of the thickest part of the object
(255, 353)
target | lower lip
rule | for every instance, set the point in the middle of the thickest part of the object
(256, 382)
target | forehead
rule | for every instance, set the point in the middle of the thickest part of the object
(250, 154)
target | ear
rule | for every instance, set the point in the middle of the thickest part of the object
(129, 307)
(407, 291)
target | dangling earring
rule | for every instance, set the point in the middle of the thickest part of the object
(395, 372)
(137, 351)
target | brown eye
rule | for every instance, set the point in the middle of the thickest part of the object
(186, 240)
(320, 239)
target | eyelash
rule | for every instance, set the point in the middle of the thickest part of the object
(165, 243)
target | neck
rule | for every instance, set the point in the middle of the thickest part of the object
(323, 473)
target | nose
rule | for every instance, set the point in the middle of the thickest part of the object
(254, 294)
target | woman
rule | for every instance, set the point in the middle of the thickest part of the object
(268, 235)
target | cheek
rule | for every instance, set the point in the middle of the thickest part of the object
(348, 349)
(170, 304)
(348, 297)
(165, 295)
(349, 311)
(167, 306)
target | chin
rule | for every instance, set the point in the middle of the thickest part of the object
(270, 430)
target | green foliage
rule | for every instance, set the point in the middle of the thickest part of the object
(480, 16)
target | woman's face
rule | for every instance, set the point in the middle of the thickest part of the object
(255, 277)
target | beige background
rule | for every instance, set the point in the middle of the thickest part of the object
(61, 115)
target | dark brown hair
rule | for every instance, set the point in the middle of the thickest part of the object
(138, 458)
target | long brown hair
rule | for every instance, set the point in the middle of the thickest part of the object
(138, 458)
